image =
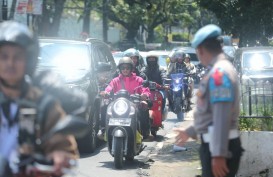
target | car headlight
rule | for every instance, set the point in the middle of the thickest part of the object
(120, 107)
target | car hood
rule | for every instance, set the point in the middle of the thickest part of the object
(70, 76)
(262, 74)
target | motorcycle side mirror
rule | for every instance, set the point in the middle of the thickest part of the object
(70, 125)
(103, 67)
(145, 83)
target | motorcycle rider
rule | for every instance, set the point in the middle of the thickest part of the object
(155, 73)
(129, 81)
(18, 59)
(138, 62)
(177, 65)
(192, 71)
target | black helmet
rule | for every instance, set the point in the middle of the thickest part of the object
(125, 60)
(12, 32)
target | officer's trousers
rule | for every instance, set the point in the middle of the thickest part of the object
(233, 162)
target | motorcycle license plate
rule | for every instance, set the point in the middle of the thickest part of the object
(120, 121)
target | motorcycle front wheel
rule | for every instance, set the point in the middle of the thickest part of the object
(118, 153)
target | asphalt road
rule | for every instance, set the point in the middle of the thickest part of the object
(100, 163)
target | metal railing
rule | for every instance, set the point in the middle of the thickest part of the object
(256, 99)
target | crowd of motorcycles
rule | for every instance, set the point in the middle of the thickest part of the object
(123, 133)
(123, 127)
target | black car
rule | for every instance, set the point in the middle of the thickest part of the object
(78, 63)
(254, 64)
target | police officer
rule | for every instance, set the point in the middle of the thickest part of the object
(18, 58)
(217, 111)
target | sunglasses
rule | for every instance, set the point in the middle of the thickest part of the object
(125, 67)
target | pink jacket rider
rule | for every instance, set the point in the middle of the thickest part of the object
(130, 84)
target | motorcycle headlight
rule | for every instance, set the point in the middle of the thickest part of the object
(177, 81)
(121, 107)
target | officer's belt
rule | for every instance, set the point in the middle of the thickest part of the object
(234, 133)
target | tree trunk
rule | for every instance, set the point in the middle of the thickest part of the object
(44, 25)
(105, 20)
(12, 9)
(131, 33)
(5, 10)
(59, 6)
(189, 33)
(86, 17)
(151, 35)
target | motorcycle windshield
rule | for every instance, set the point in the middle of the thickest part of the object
(177, 81)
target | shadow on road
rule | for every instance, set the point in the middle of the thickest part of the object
(100, 146)
(127, 165)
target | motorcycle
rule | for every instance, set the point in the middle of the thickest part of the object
(180, 88)
(36, 164)
(123, 127)
(158, 115)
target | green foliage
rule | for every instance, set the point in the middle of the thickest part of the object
(249, 124)
(180, 37)
(251, 20)
(256, 124)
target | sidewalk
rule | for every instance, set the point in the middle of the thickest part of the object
(165, 162)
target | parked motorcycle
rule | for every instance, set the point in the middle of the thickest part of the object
(158, 115)
(36, 164)
(180, 88)
(123, 127)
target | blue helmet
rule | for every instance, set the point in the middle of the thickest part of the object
(208, 31)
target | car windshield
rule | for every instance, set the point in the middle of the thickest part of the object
(257, 60)
(64, 56)
(117, 56)
(162, 60)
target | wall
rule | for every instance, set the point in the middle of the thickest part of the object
(258, 155)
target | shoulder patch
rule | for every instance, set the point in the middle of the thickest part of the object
(218, 77)
(220, 87)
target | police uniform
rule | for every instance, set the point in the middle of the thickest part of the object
(217, 110)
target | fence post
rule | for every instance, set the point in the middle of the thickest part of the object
(249, 101)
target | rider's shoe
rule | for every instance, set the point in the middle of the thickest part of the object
(101, 134)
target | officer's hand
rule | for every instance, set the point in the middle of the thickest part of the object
(143, 97)
(61, 160)
(219, 167)
(181, 136)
